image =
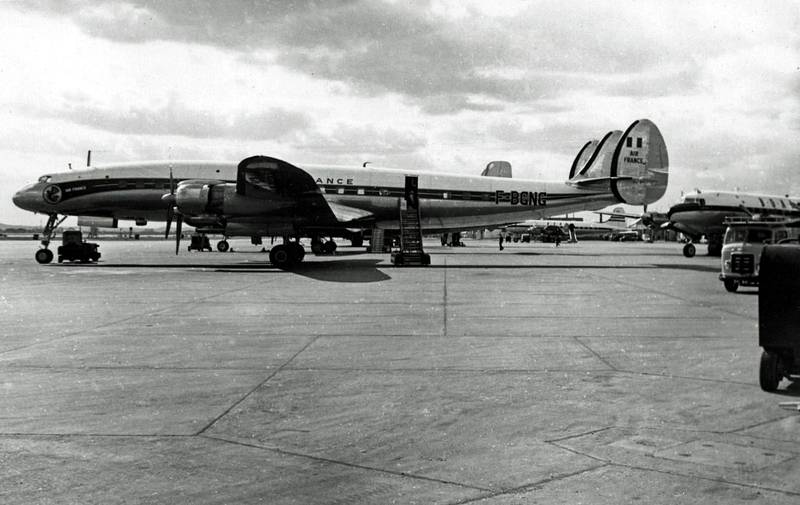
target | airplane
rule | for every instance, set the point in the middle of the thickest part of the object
(704, 213)
(575, 228)
(266, 196)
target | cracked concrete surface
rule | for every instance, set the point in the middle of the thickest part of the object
(591, 373)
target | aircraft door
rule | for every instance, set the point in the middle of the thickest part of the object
(412, 191)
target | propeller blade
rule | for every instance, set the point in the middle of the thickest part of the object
(170, 215)
(178, 234)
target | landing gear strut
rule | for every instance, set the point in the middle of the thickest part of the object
(46, 255)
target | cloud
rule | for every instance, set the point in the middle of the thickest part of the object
(175, 118)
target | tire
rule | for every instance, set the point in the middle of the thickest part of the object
(689, 250)
(223, 246)
(44, 256)
(769, 373)
(329, 247)
(297, 251)
(731, 285)
(280, 256)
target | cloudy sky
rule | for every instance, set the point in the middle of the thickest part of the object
(433, 85)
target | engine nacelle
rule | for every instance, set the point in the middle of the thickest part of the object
(97, 222)
(195, 197)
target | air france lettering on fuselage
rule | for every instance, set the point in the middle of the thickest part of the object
(530, 198)
(331, 180)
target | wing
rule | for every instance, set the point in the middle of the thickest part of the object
(267, 177)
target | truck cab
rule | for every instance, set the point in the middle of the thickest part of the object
(742, 245)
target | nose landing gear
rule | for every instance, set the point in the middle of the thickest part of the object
(45, 255)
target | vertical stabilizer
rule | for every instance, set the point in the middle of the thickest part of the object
(641, 161)
(582, 159)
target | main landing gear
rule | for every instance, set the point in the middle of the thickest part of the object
(287, 255)
(689, 250)
(45, 255)
(223, 245)
(320, 247)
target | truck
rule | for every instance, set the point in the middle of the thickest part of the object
(73, 248)
(744, 240)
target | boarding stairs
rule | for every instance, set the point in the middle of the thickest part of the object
(410, 252)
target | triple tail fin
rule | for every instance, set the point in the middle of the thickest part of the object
(633, 165)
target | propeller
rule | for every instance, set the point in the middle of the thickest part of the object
(178, 233)
(172, 213)
(169, 198)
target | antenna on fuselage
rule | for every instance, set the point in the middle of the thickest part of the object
(69, 165)
(89, 158)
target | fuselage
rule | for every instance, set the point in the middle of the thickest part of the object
(447, 201)
(704, 213)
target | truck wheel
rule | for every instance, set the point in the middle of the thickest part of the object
(731, 285)
(769, 373)
(689, 250)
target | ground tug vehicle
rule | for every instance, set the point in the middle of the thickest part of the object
(73, 248)
(744, 240)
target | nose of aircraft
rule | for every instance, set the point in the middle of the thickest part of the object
(25, 198)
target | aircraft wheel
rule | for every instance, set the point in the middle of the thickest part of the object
(769, 373)
(297, 251)
(731, 285)
(281, 256)
(329, 247)
(223, 246)
(44, 256)
(689, 250)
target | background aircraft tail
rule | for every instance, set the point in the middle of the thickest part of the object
(497, 169)
(634, 165)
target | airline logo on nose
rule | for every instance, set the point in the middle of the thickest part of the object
(52, 194)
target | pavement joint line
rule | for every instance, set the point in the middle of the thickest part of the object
(695, 303)
(762, 423)
(343, 463)
(530, 486)
(555, 441)
(258, 386)
(674, 473)
(709, 479)
(98, 435)
(134, 316)
(595, 353)
(444, 301)
(685, 377)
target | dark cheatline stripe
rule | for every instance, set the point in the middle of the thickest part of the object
(86, 187)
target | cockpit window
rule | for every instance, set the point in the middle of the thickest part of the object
(45, 178)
